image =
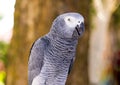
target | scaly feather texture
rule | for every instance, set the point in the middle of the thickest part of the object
(52, 55)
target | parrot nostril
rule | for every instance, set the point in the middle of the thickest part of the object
(82, 23)
(77, 26)
(78, 21)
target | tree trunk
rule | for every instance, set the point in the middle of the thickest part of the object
(100, 44)
(33, 19)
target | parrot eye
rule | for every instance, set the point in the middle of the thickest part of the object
(68, 19)
(71, 21)
(78, 21)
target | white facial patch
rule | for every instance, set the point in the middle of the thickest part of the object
(70, 21)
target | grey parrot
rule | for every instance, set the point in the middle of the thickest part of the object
(51, 56)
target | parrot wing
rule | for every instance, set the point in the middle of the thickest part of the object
(35, 62)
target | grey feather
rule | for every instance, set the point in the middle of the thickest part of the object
(36, 58)
(52, 56)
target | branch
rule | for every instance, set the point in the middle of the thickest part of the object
(105, 8)
(111, 5)
(98, 5)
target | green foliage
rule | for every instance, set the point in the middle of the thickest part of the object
(92, 11)
(92, 14)
(116, 17)
(2, 77)
(1, 17)
(3, 51)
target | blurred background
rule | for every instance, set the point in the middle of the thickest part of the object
(98, 52)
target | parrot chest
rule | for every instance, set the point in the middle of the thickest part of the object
(57, 60)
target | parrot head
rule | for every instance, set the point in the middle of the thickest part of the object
(68, 25)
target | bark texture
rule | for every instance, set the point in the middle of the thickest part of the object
(100, 49)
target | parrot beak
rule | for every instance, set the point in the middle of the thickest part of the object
(80, 29)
